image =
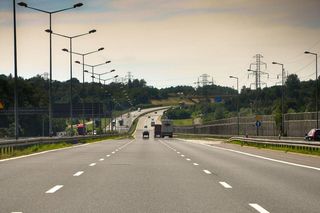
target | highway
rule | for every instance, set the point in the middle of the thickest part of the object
(160, 175)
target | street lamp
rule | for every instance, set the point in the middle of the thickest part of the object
(104, 83)
(23, 4)
(317, 87)
(282, 96)
(238, 117)
(16, 116)
(100, 74)
(70, 40)
(92, 76)
(83, 55)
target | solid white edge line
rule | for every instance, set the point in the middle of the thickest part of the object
(54, 150)
(260, 157)
(77, 174)
(54, 189)
(225, 185)
(92, 164)
(207, 172)
(258, 208)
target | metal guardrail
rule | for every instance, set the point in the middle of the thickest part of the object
(8, 146)
(280, 143)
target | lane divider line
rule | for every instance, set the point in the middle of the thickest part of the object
(259, 156)
(54, 189)
(77, 174)
(188, 159)
(207, 172)
(225, 185)
(258, 208)
(108, 156)
(92, 164)
(182, 155)
(195, 164)
(101, 159)
(112, 152)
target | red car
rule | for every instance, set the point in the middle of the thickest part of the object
(313, 135)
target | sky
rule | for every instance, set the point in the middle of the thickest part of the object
(166, 42)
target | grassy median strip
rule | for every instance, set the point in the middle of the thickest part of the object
(281, 147)
(15, 152)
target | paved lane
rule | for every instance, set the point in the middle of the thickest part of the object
(275, 186)
(154, 175)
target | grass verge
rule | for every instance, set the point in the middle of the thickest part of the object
(9, 153)
(284, 148)
(183, 122)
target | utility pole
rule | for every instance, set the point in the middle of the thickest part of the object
(257, 71)
(129, 77)
(257, 74)
(205, 80)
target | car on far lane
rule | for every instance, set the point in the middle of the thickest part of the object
(313, 135)
(145, 134)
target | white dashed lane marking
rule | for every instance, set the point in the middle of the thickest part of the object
(225, 185)
(54, 189)
(258, 208)
(195, 164)
(207, 172)
(182, 155)
(101, 159)
(78, 174)
(92, 164)
(112, 152)
(108, 156)
(188, 159)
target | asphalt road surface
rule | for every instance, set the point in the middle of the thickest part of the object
(159, 175)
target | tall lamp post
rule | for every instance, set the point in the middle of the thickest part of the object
(282, 96)
(317, 87)
(92, 77)
(83, 55)
(23, 4)
(238, 117)
(16, 116)
(104, 83)
(101, 74)
(70, 40)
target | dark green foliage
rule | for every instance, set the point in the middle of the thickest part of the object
(33, 93)
(178, 113)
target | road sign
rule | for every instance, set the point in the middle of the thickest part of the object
(258, 117)
(258, 123)
(218, 99)
(1, 105)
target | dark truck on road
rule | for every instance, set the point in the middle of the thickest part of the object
(157, 130)
(164, 129)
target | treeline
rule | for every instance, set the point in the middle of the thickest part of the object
(211, 102)
(299, 96)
